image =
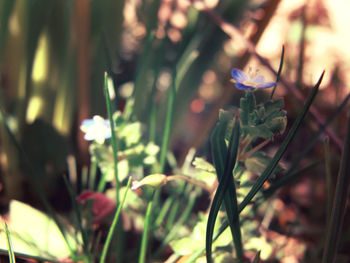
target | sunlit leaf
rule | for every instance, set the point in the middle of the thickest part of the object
(34, 233)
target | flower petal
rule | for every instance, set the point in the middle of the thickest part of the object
(266, 85)
(239, 75)
(243, 87)
(259, 79)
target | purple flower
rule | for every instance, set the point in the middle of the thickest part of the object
(97, 129)
(250, 81)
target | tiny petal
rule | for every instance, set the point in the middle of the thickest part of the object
(241, 86)
(259, 79)
(239, 75)
(266, 85)
(250, 81)
(102, 205)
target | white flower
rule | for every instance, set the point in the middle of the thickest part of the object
(97, 129)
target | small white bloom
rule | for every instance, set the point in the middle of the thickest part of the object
(97, 129)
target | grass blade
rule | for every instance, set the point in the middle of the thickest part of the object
(339, 204)
(257, 257)
(113, 138)
(168, 122)
(279, 72)
(289, 174)
(114, 224)
(143, 250)
(34, 258)
(179, 223)
(219, 197)
(12, 258)
(77, 214)
(273, 164)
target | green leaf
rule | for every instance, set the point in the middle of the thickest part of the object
(259, 131)
(202, 164)
(130, 133)
(247, 105)
(190, 244)
(273, 105)
(34, 233)
(278, 124)
(225, 184)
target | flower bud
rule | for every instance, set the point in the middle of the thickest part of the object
(153, 180)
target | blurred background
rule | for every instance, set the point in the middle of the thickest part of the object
(53, 55)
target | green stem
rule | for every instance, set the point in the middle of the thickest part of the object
(78, 215)
(167, 128)
(113, 138)
(12, 257)
(19, 255)
(174, 230)
(278, 73)
(142, 256)
(114, 224)
(164, 150)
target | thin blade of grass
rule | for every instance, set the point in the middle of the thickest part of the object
(113, 138)
(179, 223)
(219, 197)
(278, 72)
(25, 256)
(339, 203)
(114, 224)
(290, 172)
(143, 250)
(12, 258)
(278, 155)
(167, 125)
(257, 257)
(110, 71)
(77, 214)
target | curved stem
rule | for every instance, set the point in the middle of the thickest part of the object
(189, 180)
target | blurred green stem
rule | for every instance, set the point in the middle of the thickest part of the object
(114, 224)
(142, 256)
(163, 153)
(167, 128)
(113, 138)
